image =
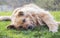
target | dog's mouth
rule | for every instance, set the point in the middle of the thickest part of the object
(26, 27)
(21, 27)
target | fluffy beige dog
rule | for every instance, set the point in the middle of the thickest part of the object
(31, 15)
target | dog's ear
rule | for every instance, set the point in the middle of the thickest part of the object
(11, 27)
(15, 11)
(21, 13)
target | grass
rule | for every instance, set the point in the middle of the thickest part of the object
(42, 32)
(5, 13)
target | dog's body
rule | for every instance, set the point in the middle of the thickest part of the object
(32, 15)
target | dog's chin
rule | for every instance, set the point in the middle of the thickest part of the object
(27, 27)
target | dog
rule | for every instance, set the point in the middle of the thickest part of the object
(30, 15)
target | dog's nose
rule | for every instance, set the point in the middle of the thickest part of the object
(30, 27)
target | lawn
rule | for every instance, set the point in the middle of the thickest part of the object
(42, 32)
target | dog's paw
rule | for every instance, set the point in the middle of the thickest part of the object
(54, 29)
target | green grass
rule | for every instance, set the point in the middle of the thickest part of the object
(6, 13)
(42, 32)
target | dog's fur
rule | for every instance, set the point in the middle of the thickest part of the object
(32, 16)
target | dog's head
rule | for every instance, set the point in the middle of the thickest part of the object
(20, 20)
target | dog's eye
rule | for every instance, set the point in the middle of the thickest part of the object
(24, 20)
(20, 13)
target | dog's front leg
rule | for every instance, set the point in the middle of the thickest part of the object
(48, 19)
